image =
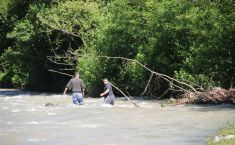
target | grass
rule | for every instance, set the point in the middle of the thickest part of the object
(228, 130)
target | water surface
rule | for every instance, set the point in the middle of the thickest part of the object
(25, 120)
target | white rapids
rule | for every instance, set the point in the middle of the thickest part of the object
(25, 120)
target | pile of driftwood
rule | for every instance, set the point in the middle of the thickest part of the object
(214, 96)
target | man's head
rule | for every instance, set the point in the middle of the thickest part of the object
(105, 80)
(77, 75)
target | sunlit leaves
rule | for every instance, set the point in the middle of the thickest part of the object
(22, 31)
(74, 17)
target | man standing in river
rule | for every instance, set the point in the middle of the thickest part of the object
(78, 89)
(108, 93)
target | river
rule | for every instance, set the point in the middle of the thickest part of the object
(25, 120)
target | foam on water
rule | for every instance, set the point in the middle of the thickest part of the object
(125, 106)
(146, 105)
(91, 100)
(13, 97)
(16, 110)
(52, 114)
(35, 139)
(59, 96)
(9, 123)
(14, 103)
(6, 99)
(107, 105)
(2, 134)
(5, 108)
(33, 109)
(56, 108)
(32, 139)
(45, 123)
(38, 122)
(91, 125)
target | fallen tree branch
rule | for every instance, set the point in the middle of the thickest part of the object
(158, 74)
(129, 95)
(59, 57)
(163, 76)
(125, 95)
(150, 78)
(59, 63)
(164, 93)
(69, 69)
(62, 73)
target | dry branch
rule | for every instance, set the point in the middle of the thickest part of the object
(59, 63)
(125, 95)
(68, 69)
(62, 73)
(150, 78)
(165, 77)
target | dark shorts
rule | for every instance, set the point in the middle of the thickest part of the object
(109, 99)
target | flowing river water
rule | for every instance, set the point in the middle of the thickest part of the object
(25, 120)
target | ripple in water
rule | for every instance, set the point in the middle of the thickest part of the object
(38, 122)
(16, 110)
(33, 109)
(90, 125)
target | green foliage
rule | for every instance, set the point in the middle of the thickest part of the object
(200, 81)
(3, 4)
(1, 75)
(25, 61)
(210, 53)
(147, 31)
(5, 25)
(5, 79)
(91, 68)
(133, 76)
(72, 17)
(22, 31)
(192, 41)
(17, 71)
(179, 38)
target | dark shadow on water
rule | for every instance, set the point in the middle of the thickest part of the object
(10, 92)
(210, 107)
(16, 92)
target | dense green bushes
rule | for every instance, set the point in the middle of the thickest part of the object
(189, 40)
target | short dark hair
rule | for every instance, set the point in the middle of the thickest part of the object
(105, 79)
(76, 74)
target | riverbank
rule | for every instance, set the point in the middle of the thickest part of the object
(226, 136)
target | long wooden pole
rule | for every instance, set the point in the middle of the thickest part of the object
(125, 95)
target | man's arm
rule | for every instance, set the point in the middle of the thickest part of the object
(83, 91)
(104, 93)
(83, 88)
(69, 85)
(65, 90)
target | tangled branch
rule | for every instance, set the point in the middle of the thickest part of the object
(163, 76)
